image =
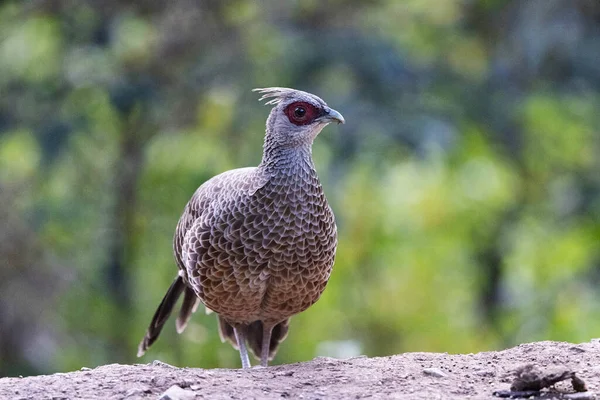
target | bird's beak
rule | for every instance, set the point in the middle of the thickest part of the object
(332, 116)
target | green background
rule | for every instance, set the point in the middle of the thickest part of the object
(465, 182)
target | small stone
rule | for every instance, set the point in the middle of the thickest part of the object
(157, 363)
(577, 349)
(85, 369)
(177, 393)
(436, 372)
(284, 373)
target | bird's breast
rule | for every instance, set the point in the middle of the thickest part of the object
(269, 254)
(296, 223)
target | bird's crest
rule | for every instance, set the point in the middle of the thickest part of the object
(276, 94)
(279, 94)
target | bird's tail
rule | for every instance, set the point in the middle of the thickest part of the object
(254, 334)
(190, 304)
(188, 307)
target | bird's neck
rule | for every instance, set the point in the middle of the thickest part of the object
(294, 160)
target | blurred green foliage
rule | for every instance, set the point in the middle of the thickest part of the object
(465, 182)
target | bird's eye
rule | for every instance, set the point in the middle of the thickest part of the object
(301, 113)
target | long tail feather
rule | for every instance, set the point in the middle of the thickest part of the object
(226, 332)
(161, 315)
(188, 307)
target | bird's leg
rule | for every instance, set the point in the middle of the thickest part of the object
(240, 336)
(266, 343)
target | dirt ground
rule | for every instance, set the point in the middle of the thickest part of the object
(405, 376)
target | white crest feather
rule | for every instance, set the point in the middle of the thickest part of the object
(276, 94)
(279, 94)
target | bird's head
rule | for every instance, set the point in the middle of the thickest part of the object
(297, 117)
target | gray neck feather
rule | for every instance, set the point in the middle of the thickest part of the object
(285, 157)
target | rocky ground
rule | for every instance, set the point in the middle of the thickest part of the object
(406, 376)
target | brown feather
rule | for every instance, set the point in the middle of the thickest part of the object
(188, 307)
(226, 332)
(161, 315)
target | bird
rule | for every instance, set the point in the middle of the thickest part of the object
(257, 245)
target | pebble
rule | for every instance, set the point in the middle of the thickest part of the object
(158, 363)
(177, 393)
(436, 372)
(284, 373)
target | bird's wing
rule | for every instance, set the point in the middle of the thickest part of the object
(226, 188)
(239, 182)
(219, 190)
